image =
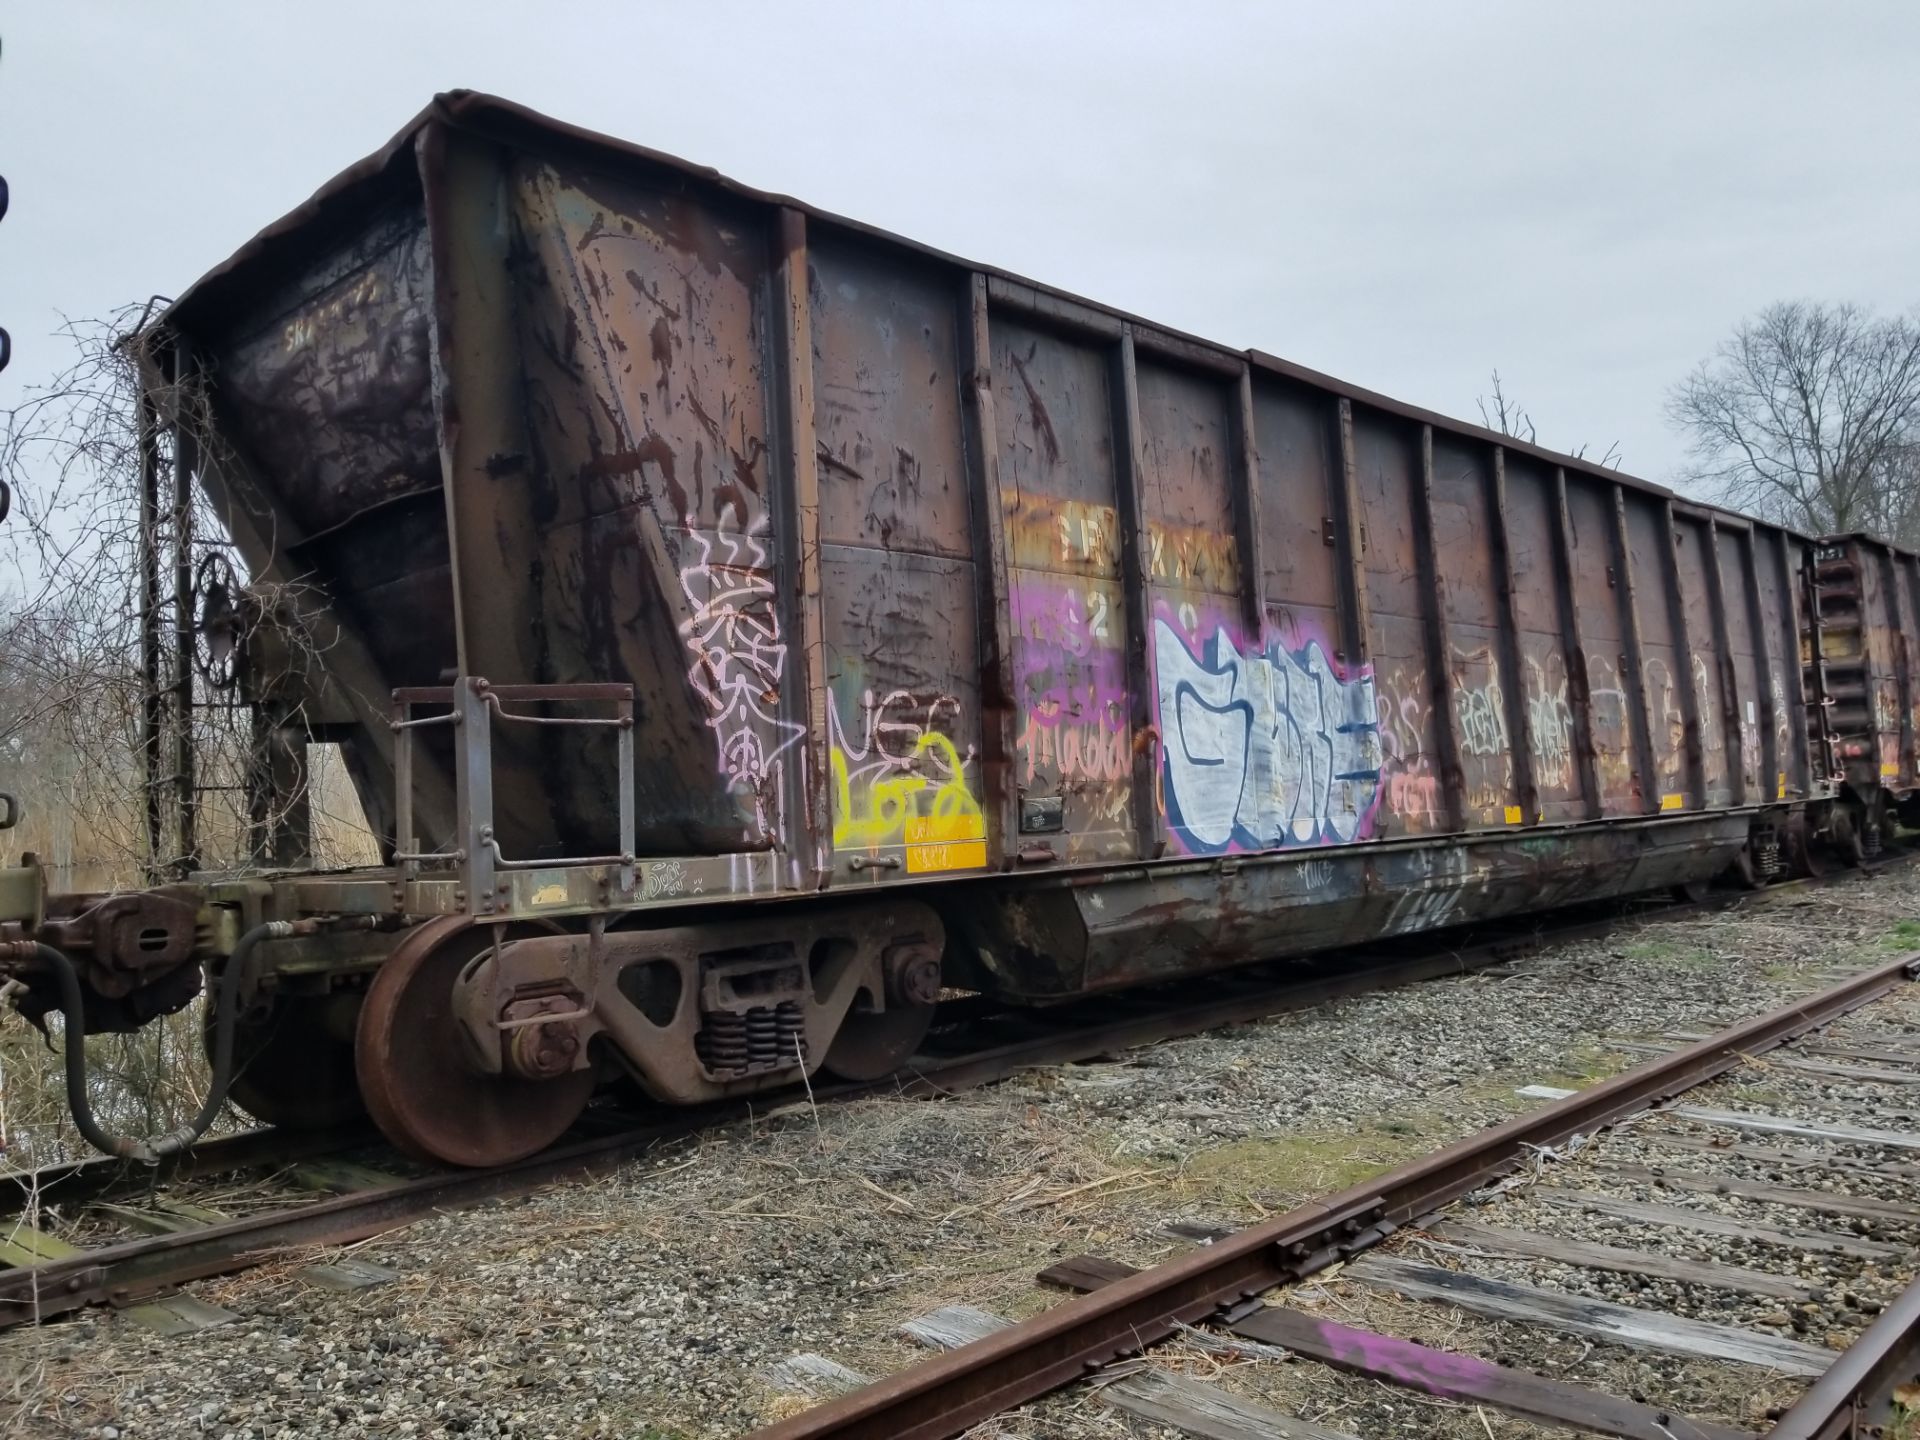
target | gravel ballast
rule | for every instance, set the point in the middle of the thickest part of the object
(654, 1301)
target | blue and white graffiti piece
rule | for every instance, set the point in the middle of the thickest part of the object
(1262, 750)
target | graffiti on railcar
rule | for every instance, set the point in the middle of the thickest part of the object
(1886, 706)
(1409, 779)
(1480, 722)
(666, 878)
(1612, 732)
(1705, 699)
(1750, 757)
(1430, 895)
(1315, 874)
(740, 657)
(1263, 745)
(1669, 728)
(1482, 712)
(1075, 712)
(1782, 730)
(1550, 721)
(899, 779)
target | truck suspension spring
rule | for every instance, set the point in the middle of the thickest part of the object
(1766, 855)
(722, 1042)
(763, 1036)
(793, 1030)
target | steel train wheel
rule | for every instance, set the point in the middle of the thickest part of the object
(1806, 857)
(874, 1044)
(1743, 874)
(423, 1093)
(291, 1065)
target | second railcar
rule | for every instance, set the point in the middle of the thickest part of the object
(1858, 658)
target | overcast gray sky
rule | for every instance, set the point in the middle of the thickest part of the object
(1404, 194)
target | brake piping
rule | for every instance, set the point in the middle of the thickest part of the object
(154, 1148)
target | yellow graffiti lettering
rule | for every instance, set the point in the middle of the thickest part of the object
(941, 825)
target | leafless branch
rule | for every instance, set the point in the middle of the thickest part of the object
(1503, 413)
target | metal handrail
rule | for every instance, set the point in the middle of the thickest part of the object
(473, 703)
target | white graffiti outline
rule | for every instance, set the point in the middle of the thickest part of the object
(739, 659)
(1260, 750)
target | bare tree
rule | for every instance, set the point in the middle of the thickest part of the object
(1809, 415)
(1502, 412)
(73, 687)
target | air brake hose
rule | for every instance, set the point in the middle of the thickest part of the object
(154, 1148)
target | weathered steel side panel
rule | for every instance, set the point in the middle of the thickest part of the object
(325, 383)
(1293, 444)
(1701, 646)
(644, 332)
(1208, 721)
(1598, 586)
(1545, 666)
(1751, 729)
(329, 377)
(897, 568)
(1667, 675)
(1477, 626)
(1777, 560)
(1882, 716)
(1907, 641)
(1885, 646)
(1054, 412)
(1399, 606)
(1271, 740)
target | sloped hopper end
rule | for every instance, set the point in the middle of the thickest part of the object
(593, 334)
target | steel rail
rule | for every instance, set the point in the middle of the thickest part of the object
(136, 1270)
(96, 1176)
(944, 1396)
(78, 1181)
(139, 1269)
(1855, 1396)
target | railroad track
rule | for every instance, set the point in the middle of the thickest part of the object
(1450, 1229)
(134, 1236)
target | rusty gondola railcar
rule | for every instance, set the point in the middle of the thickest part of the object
(741, 624)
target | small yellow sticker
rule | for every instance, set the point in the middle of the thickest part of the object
(548, 895)
(1889, 767)
(1513, 814)
(1673, 802)
(946, 842)
(1783, 784)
